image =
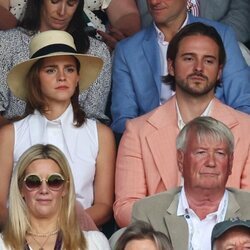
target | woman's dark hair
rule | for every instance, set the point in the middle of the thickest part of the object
(35, 99)
(32, 20)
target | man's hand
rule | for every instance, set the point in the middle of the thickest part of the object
(111, 37)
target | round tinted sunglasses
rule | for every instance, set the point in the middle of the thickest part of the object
(54, 181)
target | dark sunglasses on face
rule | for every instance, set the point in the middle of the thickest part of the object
(54, 181)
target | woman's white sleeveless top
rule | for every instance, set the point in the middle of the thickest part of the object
(80, 146)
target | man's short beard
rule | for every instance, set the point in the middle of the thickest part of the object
(183, 85)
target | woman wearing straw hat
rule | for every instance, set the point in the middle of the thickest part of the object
(42, 15)
(42, 206)
(50, 82)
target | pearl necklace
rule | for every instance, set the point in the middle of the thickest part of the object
(46, 236)
(42, 235)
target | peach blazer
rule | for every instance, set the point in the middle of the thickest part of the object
(146, 162)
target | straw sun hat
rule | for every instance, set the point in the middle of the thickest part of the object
(53, 43)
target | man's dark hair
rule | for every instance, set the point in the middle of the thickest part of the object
(190, 30)
(32, 20)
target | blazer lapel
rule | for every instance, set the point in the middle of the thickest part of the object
(233, 209)
(176, 226)
(222, 113)
(162, 143)
(151, 51)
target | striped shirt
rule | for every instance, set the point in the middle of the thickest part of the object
(193, 7)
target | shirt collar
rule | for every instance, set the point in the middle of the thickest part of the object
(160, 35)
(63, 117)
(65, 121)
(180, 121)
(183, 206)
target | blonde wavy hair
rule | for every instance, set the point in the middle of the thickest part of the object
(18, 222)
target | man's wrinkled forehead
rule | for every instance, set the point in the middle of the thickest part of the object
(234, 238)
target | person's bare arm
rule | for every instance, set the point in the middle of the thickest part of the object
(7, 20)
(101, 210)
(124, 19)
(3, 121)
(6, 166)
(111, 37)
(124, 15)
(5, 4)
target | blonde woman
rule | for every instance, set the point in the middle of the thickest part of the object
(42, 212)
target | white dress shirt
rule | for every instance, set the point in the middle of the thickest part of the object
(200, 230)
(166, 91)
(206, 112)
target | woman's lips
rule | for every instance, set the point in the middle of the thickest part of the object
(62, 87)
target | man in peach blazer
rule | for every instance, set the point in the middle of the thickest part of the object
(146, 162)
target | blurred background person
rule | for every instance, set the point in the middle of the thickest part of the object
(118, 18)
(232, 13)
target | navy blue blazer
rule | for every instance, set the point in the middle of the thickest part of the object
(137, 71)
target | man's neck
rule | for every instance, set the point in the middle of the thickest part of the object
(170, 28)
(204, 201)
(192, 107)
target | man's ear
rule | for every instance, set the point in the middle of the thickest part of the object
(180, 159)
(170, 67)
(219, 72)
